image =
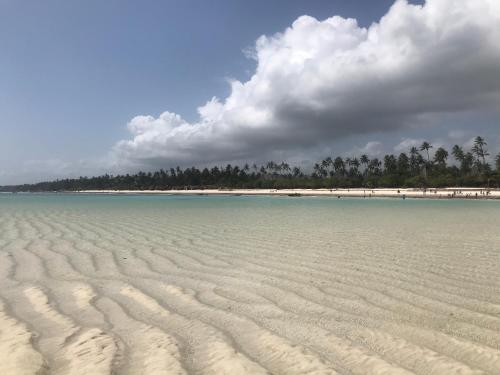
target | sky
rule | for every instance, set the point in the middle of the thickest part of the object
(119, 86)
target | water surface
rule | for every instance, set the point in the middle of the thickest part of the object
(213, 285)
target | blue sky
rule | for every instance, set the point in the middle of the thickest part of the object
(73, 74)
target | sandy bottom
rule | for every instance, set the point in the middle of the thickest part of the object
(169, 291)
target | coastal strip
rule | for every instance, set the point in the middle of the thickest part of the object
(443, 193)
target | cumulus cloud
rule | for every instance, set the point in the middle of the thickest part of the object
(408, 143)
(372, 148)
(319, 81)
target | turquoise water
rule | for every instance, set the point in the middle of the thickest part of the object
(452, 219)
(405, 226)
(293, 285)
(310, 204)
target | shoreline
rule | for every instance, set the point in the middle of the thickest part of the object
(443, 193)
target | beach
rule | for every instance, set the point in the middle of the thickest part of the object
(440, 193)
(186, 284)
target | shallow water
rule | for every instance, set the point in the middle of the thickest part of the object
(236, 285)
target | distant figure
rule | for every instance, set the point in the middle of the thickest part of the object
(404, 196)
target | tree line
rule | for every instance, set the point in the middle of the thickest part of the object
(414, 169)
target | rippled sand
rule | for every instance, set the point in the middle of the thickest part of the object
(248, 285)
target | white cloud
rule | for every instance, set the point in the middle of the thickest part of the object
(469, 143)
(407, 143)
(372, 148)
(319, 81)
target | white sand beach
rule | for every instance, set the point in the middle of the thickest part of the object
(455, 193)
(126, 285)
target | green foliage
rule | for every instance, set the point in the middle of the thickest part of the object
(413, 171)
(440, 157)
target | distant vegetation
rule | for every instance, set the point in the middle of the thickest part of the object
(413, 169)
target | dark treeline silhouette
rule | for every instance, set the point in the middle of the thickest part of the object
(413, 169)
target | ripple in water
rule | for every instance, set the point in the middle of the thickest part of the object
(248, 285)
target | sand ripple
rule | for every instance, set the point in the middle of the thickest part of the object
(249, 286)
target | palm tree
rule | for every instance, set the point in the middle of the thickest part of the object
(390, 164)
(338, 165)
(414, 159)
(458, 153)
(497, 162)
(277, 169)
(285, 167)
(479, 149)
(325, 163)
(374, 166)
(364, 160)
(440, 156)
(467, 162)
(353, 166)
(319, 171)
(426, 146)
(355, 163)
(403, 163)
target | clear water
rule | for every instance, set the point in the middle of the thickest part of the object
(245, 271)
